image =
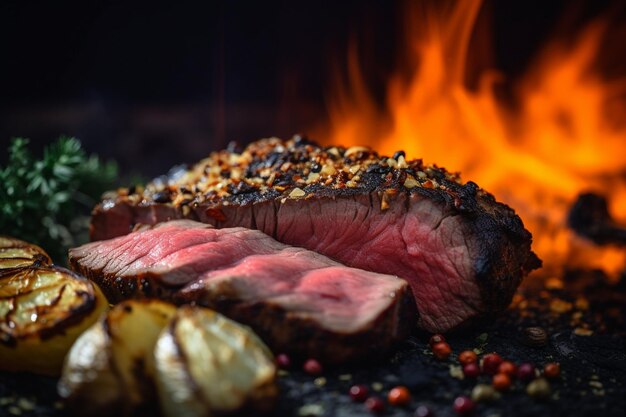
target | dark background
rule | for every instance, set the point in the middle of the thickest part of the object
(152, 84)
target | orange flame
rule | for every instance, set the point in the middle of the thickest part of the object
(536, 157)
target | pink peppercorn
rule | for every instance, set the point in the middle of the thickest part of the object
(467, 356)
(526, 372)
(441, 350)
(375, 404)
(399, 396)
(471, 370)
(283, 361)
(464, 406)
(359, 393)
(508, 368)
(312, 366)
(552, 370)
(491, 363)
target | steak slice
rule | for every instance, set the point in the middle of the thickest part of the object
(462, 252)
(298, 301)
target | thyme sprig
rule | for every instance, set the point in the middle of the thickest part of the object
(47, 201)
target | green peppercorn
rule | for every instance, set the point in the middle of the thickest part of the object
(539, 388)
(484, 393)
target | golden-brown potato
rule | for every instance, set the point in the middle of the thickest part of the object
(42, 312)
(207, 364)
(15, 253)
(110, 368)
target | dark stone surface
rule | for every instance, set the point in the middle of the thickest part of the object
(592, 381)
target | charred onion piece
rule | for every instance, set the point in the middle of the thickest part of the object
(201, 362)
(42, 312)
(16, 253)
(207, 364)
(110, 368)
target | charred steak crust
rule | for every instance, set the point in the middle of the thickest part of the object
(117, 288)
(272, 170)
(271, 175)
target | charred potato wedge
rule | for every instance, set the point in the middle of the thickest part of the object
(110, 368)
(42, 312)
(16, 253)
(207, 364)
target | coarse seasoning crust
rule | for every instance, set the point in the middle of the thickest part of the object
(463, 252)
(297, 168)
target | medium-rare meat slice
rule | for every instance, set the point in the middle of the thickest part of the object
(297, 300)
(463, 253)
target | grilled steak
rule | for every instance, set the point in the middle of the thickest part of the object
(297, 300)
(463, 253)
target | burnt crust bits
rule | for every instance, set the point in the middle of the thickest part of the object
(272, 168)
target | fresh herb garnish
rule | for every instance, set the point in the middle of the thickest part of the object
(48, 201)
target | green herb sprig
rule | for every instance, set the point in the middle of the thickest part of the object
(47, 201)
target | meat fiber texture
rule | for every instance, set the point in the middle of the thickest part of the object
(463, 253)
(297, 300)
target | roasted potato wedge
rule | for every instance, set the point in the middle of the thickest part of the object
(15, 253)
(42, 312)
(207, 364)
(110, 368)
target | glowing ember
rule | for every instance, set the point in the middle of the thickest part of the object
(556, 143)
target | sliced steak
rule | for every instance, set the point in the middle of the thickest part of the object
(297, 300)
(463, 253)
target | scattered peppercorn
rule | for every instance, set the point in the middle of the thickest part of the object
(375, 404)
(501, 382)
(442, 350)
(359, 393)
(484, 392)
(399, 396)
(471, 370)
(491, 363)
(464, 405)
(283, 361)
(422, 411)
(539, 388)
(312, 366)
(508, 368)
(526, 372)
(535, 336)
(552, 370)
(467, 356)
(436, 338)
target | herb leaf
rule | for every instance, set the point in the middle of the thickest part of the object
(48, 201)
